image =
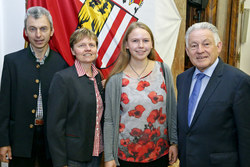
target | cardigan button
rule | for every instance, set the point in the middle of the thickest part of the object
(38, 66)
(35, 96)
(31, 126)
(37, 81)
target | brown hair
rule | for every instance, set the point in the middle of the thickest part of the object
(81, 33)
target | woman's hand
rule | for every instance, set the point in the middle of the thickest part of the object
(110, 164)
(173, 153)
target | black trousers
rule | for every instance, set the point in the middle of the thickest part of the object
(38, 157)
(161, 162)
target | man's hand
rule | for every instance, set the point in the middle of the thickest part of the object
(4, 151)
(173, 153)
(110, 164)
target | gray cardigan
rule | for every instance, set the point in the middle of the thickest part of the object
(112, 113)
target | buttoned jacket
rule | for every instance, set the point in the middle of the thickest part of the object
(220, 130)
(72, 116)
(18, 97)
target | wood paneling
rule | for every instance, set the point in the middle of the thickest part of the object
(223, 24)
(228, 29)
(232, 47)
(210, 12)
(179, 58)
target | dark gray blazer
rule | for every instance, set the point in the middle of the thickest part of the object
(72, 116)
(220, 131)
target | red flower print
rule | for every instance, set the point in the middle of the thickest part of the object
(125, 82)
(133, 149)
(144, 137)
(121, 127)
(125, 142)
(136, 132)
(162, 117)
(137, 113)
(154, 154)
(166, 131)
(150, 146)
(153, 116)
(156, 115)
(163, 86)
(144, 150)
(162, 143)
(130, 159)
(142, 84)
(141, 151)
(147, 131)
(155, 133)
(150, 124)
(121, 154)
(154, 97)
(124, 98)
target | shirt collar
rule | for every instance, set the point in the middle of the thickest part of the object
(209, 71)
(45, 55)
(81, 72)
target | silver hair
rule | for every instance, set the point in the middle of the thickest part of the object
(37, 12)
(203, 25)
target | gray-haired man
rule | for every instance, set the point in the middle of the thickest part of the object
(26, 78)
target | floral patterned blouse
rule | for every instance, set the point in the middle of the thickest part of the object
(143, 126)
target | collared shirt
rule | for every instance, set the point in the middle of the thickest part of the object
(98, 143)
(208, 73)
(39, 110)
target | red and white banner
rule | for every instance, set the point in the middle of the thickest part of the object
(109, 19)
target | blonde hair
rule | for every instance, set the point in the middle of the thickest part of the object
(124, 55)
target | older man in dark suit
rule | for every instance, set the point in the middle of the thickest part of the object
(24, 93)
(213, 105)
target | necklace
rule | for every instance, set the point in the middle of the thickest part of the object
(139, 75)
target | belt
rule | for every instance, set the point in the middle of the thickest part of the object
(39, 121)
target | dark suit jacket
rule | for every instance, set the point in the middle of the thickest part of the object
(19, 84)
(220, 131)
(72, 116)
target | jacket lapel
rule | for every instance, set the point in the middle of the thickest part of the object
(186, 89)
(209, 90)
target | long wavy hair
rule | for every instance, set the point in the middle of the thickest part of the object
(124, 55)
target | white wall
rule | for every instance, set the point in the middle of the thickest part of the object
(1, 38)
(11, 27)
(245, 51)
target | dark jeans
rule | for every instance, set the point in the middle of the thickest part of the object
(38, 157)
(161, 162)
(95, 162)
